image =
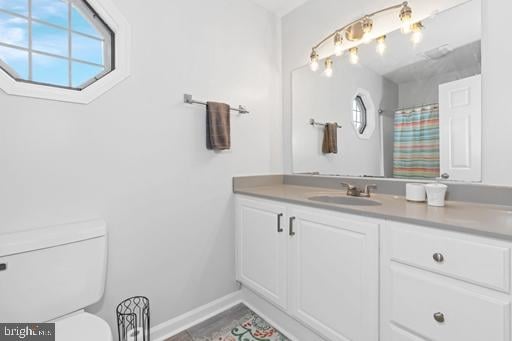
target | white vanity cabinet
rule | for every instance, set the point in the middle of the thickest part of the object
(444, 286)
(319, 266)
(349, 277)
(262, 246)
(334, 273)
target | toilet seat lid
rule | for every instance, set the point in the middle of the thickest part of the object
(82, 327)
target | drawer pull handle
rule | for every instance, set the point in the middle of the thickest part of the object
(439, 317)
(438, 257)
(279, 228)
(291, 232)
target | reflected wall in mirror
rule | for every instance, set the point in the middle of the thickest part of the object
(408, 107)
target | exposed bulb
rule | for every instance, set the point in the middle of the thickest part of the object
(338, 41)
(406, 18)
(354, 56)
(417, 34)
(381, 45)
(367, 38)
(367, 27)
(328, 68)
(314, 61)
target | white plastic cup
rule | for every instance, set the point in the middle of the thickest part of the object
(415, 192)
(436, 194)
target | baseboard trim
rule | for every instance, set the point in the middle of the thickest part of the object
(294, 330)
(180, 323)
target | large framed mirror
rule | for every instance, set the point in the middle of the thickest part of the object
(405, 106)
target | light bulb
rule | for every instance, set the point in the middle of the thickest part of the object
(354, 56)
(406, 18)
(338, 41)
(367, 27)
(328, 67)
(381, 45)
(314, 61)
(417, 34)
(367, 38)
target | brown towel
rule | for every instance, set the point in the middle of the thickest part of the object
(330, 143)
(218, 131)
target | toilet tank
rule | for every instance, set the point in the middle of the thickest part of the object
(50, 272)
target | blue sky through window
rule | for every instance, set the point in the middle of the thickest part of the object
(82, 73)
(87, 49)
(16, 6)
(13, 30)
(52, 59)
(82, 25)
(16, 60)
(52, 11)
(50, 39)
(50, 70)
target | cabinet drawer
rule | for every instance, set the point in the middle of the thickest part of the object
(417, 298)
(471, 259)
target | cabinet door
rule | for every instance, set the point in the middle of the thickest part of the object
(334, 274)
(262, 248)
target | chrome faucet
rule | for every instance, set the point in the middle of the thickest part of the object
(354, 191)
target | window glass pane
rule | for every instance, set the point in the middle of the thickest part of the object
(87, 49)
(16, 6)
(52, 11)
(50, 70)
(82, 73)
(81, 24)
(49, 39)
(16, 60)
(13, 30)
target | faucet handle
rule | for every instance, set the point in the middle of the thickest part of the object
(368, 187)
(349, 186)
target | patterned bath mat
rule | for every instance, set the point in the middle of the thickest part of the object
(250, 328)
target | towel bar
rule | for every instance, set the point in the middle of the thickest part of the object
(190, 100)
(315, 123)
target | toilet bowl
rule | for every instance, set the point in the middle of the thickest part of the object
(82, 326)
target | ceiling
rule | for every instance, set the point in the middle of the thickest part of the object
(280, 7)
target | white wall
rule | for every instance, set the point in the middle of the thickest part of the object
(137, 158)
(309, 23)
(330, 100)
(496, 91)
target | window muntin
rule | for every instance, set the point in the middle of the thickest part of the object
(359, 114)
(60, 43)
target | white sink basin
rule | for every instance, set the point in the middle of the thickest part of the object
(345, 200)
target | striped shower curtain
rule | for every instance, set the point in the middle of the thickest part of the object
(416, 147)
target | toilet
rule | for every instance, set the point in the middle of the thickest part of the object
(51, 274)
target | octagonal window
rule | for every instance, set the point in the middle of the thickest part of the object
(59, 43)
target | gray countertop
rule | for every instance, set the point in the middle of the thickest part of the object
(483, 219)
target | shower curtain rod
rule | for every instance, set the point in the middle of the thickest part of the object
(419, 107)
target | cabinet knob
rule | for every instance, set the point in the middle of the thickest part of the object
(445, 176)
(439, 317)
(438, 257)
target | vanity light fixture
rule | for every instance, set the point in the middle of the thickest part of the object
(360, 31)
(354, 55)
(338, 44)
(328, 68)
(314, 60)
(381, 45)
(417, 34)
